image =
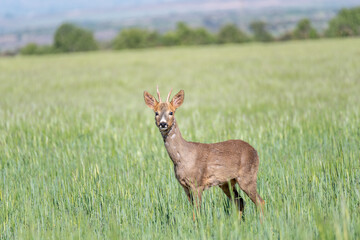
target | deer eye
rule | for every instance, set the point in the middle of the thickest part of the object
(171, 113)
(156, 113)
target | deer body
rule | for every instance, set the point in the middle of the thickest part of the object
(207, 165)
(199, 166)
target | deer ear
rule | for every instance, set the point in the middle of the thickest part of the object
(150, 101)
(178, 99)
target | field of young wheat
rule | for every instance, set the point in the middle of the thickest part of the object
(81, 157)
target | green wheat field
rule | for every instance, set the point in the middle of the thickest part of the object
(81, 157)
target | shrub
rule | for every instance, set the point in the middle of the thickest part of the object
(136, 38)
(33, 49)
(70, 38)
(229, 33)
(184, 35)
(29, 49)
(202, 36)
(170, 39)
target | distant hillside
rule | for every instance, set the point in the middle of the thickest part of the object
(20, 14)
(22, 22)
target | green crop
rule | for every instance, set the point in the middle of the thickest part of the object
(81, 157)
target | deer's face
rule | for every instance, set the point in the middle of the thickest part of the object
(164, 116)
(164, 111)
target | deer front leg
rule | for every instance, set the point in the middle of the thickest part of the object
(190, 198)
(189, 195)
(197, 192)
(194, 194)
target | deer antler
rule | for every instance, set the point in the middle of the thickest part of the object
(158, 93)
(168, 97)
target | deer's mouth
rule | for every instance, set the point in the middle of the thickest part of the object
(163, 128)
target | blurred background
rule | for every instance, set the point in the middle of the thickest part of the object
(30, 26)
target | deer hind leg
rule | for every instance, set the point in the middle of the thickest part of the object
(249, 187)
(239, 201)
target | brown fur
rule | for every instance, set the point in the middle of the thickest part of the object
(199, 166)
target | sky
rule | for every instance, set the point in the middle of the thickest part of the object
(13, 8)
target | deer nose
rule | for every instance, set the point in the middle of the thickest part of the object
(163, 124)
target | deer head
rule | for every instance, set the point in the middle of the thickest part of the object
(164, 111)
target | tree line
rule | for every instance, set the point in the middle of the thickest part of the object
(71, 38)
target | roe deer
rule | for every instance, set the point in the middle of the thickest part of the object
(199, 166)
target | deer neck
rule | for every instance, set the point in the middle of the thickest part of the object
(175, 145)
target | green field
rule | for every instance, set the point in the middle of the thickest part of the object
(81, 157)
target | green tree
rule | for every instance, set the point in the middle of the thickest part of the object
(70, 38)
(346, 23)
(184, 35)
(229, 33)
(260, 33)
(136, 38)
(304, 30)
